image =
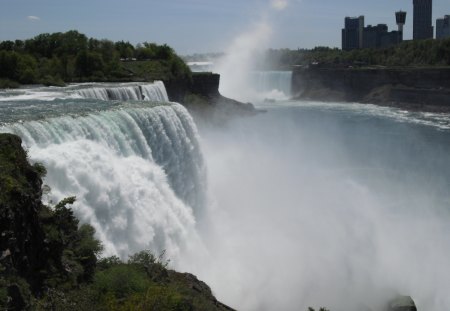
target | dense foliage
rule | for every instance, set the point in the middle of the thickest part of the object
(408, 53)
(142, 283)
(41, 246)
(53, 59)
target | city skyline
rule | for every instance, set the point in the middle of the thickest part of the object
(202, 25)
(356, 35)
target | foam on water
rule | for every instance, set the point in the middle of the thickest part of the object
(437, 119)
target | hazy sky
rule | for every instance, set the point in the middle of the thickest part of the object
(200, 25)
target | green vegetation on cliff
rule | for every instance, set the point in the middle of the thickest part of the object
(41, 246)
(53, 59)
(408, 53)
(48, 261)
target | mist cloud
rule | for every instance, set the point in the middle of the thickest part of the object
(240, 59)
(279, 4)
(303, 218)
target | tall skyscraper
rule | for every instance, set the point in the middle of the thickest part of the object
(352, 34)
(422, 24)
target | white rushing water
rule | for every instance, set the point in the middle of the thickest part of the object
(148, 92)
(136, 169)
(155, 91)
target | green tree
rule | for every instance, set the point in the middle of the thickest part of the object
(87, 63)
(125, 49)
(26, 69)
(7, 46)
(8, 64)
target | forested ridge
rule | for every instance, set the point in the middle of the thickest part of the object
(58, 58)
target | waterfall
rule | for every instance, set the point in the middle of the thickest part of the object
(273, 83)
(258, 86)
(137, 172)
(148, 92)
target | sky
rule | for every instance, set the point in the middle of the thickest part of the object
(200, 26)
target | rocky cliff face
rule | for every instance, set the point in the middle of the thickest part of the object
(206, 83)
(204, 101)
(22, 242)
(202, 83)
(390, 86)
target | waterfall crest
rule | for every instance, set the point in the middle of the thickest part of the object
(148, 92)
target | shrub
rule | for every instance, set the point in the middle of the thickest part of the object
(108, 262)
(121, 281)
(40, 169)
(52, 81)
(8, 84)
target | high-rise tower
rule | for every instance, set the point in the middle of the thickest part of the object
(422, 24)
(400, 18)
(352, 34)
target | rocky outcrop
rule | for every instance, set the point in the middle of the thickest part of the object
(22, 242)
(204, 101)
(205, 83)
(402, 303)
(421, 88)
(177, 89)
(202, 83)
(197, 288)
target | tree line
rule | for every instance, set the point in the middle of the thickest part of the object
(408, 53)
(53, 59)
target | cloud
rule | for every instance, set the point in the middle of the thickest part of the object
(279, 4)
(33, 18)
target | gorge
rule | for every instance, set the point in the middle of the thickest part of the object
(286, 205)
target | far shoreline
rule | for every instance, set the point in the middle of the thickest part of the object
(425, 89)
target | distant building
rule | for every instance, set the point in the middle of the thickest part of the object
(422, 23)
(372, 36)
(378, 37)
(352, 34)
(443, 27)
(391, 38)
